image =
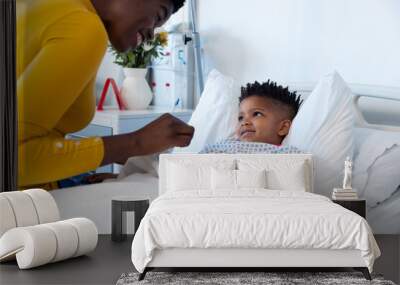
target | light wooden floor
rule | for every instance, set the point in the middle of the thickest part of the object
(110, 260)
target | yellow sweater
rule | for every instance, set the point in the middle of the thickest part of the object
(60, 45)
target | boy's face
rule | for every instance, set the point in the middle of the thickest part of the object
(261, 120)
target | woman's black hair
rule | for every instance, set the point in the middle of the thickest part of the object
(273, 91)
(178, 4)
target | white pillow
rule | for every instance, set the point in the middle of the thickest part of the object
(376, 172)
(182, 177)
(324, 127)
(225, 179)
(185, 175)
(216, 113)
(251, 178)
(289, 174)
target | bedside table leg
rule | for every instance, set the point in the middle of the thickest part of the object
(116, 221)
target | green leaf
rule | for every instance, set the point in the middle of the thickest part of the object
(138, 57)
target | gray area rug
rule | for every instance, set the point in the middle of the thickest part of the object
(269, 278)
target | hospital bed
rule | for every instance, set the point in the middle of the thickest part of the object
(94, 201)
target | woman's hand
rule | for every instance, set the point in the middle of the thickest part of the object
(163, 133)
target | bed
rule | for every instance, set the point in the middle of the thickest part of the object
(197, 222)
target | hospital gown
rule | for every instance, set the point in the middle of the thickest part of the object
(233, 146)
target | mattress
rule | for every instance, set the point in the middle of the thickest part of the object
(252, 218)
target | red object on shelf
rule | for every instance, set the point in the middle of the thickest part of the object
(117, 94)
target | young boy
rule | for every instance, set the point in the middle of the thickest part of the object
(266, 112)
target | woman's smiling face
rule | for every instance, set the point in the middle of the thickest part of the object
(260, 120)
(134, 21)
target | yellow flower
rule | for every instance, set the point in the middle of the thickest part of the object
(163, 36)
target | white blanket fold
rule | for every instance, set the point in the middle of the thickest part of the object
(250, 219)
(139, 164)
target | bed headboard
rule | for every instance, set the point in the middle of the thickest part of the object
(212, 159)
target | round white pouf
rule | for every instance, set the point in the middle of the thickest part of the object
(6, 215)
(23, 208)
(46, 207)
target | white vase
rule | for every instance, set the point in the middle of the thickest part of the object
(136, 93)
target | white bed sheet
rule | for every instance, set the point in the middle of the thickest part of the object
(250, 219)
(94, 201)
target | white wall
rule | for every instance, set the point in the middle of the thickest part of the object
(299, 40)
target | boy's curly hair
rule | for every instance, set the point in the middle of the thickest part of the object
(178, 4)
(271, 90)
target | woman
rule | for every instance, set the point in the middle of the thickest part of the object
(60, 45)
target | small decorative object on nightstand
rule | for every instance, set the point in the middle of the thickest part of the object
(119, 206)
(357, 206)
(347, 192)
(347, 196)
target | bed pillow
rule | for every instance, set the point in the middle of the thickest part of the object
(185, 175)
(281, 174)
(251, 179)
(225, 179)
(324, 127)
(376, 172)
(216, 113)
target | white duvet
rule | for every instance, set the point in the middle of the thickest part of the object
(250, 219)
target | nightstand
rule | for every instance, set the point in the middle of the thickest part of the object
(113, 122)
(119, 205)
(357, 206)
